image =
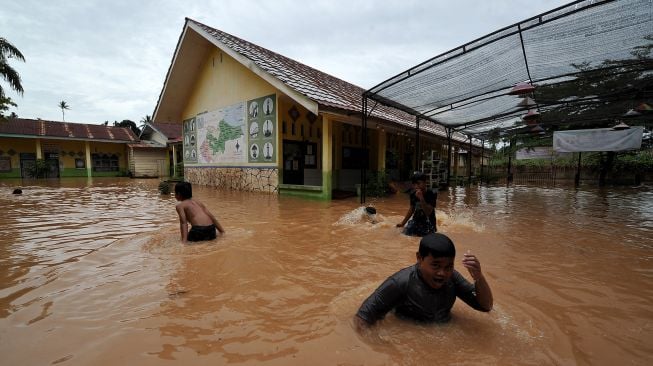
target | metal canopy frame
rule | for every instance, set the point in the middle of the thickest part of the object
(468, 89)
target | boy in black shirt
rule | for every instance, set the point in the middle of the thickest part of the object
(420, 218)
(427, 290)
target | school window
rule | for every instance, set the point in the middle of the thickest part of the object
(105, 163)
(5, 164)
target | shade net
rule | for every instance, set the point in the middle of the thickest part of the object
(590, 61)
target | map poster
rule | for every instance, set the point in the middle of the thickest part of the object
(262, 129)
(190, 141)
(221, 135)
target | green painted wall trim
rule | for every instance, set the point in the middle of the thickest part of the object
(314, 195)
(327, 184)
(108, 174)
(322, 193)
(299, 187)
(14, 173)
(72, 172)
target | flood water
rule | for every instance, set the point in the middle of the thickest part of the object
(93, 273)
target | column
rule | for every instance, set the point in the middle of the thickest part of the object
(87, 149)
(39, 151)
(382, 147)
(327, 152)
(174, 161)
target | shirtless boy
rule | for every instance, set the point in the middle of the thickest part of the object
(203, 223)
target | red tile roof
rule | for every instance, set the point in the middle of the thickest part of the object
(329, 92)
(72, 131)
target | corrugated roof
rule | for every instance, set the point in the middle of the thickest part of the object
(82, 131)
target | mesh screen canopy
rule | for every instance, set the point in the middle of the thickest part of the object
(589, 62)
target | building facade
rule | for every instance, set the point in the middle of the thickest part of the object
(67, 149)
(255, 120)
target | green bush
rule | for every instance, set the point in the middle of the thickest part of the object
(623, 161)
(164, 188)
(39, 169)
(377, 184)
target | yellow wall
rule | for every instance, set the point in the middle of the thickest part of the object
(64, 148)
(222, 82)
(311, 130)
(17, 145)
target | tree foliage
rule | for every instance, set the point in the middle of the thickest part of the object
(128, 123)
(146, 119)
(593, 97)
(5, 103)
(8, 73)
(63, 105)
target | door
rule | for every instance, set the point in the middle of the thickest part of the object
(27, 162)
(52, 162)
(293, 162)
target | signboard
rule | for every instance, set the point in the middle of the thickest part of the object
(262, 129)
(599, 139)
(221, 135)
(190, 141)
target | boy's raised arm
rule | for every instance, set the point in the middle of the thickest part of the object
(483, 291)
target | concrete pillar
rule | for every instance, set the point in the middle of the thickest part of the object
(89, 168)
(456, 159)
(382, 147)
(336, 155)
(39, 151)
(174, 160)
(327, 161)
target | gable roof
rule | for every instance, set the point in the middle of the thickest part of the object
(308, 86)
(20, 127)
(172, 131)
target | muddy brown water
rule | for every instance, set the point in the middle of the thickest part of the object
(93, 273)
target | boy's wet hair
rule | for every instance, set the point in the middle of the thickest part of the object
(184, 189)
(437, 245)
(418, 176)
(370, 210)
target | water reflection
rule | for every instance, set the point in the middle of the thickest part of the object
(101, 264)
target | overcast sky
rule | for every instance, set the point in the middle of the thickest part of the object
(108, 59)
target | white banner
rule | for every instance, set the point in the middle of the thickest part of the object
(540, 152)
(598, 139)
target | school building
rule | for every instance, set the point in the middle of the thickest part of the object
(68, 149)
(255, 120)
(159, 151)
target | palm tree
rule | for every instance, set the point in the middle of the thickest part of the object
(63, 105)
(146, 119)
(7, 51)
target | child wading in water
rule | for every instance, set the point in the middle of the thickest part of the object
(203, 223)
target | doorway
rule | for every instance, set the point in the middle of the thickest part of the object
(293, 162)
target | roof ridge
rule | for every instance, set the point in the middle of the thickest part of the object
(284, 58)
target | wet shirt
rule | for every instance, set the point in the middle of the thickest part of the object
(419, 217)
(412, 298)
